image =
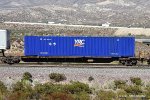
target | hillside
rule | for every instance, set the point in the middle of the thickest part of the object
(129, 13)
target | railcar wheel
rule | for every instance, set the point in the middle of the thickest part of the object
(148, 62)
(3, 60)
(122, 62)
(128, 63)
(9, 60)
(134, 62)
(16, 60)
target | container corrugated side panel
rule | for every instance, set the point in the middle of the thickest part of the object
(127, 46)
(63, 46)
(92, 46)
(30, 46)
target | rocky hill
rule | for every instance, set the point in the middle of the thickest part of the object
(130, 13)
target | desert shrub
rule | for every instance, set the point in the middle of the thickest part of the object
(106, 95)
(20, 95)
(147, 92)
(3, 88)
(61, 96)
(147, 85)
(57, 77)
(45, 97)
(129, 34)
(90, 78)
(122, 94)
(18, 87)
(75, 90)
(136, 80)
(50, 91)
(27, 76)
(57, 96)
(134, 90)
(81, 96)
(48, 88)
(17, 96)
(110, 85)
(77, 87)
(20, 91)
(119, 84)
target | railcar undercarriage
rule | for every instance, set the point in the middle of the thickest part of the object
(123, 61)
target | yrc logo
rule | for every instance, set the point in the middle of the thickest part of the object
(79, 42)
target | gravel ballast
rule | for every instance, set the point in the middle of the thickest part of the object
(101, 75)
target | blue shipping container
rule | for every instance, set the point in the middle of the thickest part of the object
(79, 46)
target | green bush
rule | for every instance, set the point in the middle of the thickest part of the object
(61, 96)
(56, 96)
(90, 78)
(81, 96)
(134, 90)
(136, 80)
(77, 87)
(75, 90)
(48, 88)
(18, 87)
(19, 95)
(122, 94)
(147, 92)
(57, 77)
(3, 88)
(106, 95)
(21, 92)
(120, 84)
(50, 91)
(27, 76)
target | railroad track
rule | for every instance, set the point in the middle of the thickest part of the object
(74, 65)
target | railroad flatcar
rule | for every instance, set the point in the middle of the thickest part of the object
(77, 49)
